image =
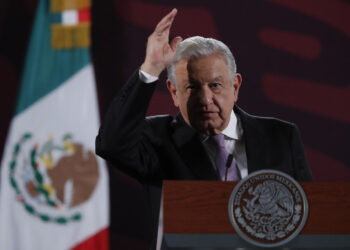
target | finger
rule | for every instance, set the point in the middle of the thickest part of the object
(164, 28)
(169, 18)
(175, 43)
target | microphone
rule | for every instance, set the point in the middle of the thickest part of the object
(228, 164)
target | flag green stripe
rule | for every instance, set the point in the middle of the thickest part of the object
(45, 68)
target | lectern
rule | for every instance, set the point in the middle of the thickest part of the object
(195, 216)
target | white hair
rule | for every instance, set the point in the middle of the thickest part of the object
(196, 47)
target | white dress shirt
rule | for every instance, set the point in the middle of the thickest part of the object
(233, 136)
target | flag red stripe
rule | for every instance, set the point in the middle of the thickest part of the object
(99, 241)
(84, 15)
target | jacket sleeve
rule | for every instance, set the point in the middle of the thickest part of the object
(125, 138)
(301, 168)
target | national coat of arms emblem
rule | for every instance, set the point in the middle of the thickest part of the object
(51, 179)
(268, 208)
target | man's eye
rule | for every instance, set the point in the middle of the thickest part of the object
(215, 85)
(190, 87)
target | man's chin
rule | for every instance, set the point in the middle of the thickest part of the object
(208, 128)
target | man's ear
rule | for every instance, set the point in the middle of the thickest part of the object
(237, 81)
(172, 91)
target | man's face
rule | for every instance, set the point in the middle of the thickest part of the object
(205, 93)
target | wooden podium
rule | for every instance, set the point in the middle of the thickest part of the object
(195, 216)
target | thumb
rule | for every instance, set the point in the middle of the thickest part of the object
(175, 43)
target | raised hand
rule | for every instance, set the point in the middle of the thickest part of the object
(160, 53)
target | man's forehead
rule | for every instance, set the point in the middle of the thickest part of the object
(205, 59)
(187, 68)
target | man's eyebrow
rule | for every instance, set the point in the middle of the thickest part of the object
(191, 80)
(217, 78)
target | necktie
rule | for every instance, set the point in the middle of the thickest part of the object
(221, 158)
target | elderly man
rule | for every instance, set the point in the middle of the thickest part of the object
(204, 85)
(211, 138)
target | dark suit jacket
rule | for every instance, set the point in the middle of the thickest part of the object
(164, 147)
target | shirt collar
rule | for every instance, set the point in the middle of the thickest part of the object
(233, 129)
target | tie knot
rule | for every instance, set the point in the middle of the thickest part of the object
(218, 140)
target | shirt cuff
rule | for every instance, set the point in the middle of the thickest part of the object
(147, 78)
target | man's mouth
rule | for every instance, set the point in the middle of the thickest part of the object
(208, 114)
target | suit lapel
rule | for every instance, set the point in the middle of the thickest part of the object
(254, 143)
(191, 150)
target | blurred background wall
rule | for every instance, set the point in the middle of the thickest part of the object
(294, 57)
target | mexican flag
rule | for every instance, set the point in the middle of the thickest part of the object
(53, 188)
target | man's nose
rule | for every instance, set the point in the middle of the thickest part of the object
(205, 96)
